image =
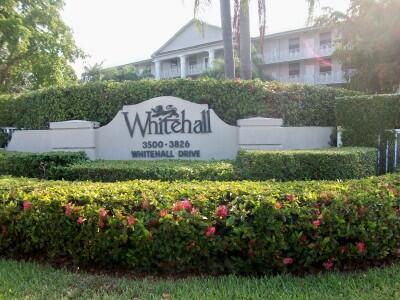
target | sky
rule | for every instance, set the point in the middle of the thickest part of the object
(117, 32)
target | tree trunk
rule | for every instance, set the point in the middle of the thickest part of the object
(226, 22)
(245, 41)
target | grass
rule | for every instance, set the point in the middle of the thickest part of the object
(21, 280)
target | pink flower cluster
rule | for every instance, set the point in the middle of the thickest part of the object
(27, 205)
(182, 205)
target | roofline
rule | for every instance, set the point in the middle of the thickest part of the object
(180, 31)
(142, 61)
(267, 36)
(187, 48)
(293, 31)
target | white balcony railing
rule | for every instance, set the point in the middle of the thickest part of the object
(321, 78)
(171, 73)
(196, 69)
(298, 54)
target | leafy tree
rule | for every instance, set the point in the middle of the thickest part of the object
(92, 73)
(369, 47)
(36, 46)
(96, 72)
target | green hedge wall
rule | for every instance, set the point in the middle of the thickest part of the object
(342, 163)
(297, 104)
(363, 118)
(168, 170)
(329, 164)
(231, 227)
(38, 165)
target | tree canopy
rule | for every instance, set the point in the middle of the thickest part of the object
(96, 72)
(369, 47)
(36, 46)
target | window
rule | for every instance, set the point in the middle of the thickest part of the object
(294, 45)
(192, 60)
(325, 66)
(174, 64)
(294, 70)
(325, 40)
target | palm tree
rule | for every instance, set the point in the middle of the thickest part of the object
(229, 61)
(242, 28)
(245, 40)
(226, 19)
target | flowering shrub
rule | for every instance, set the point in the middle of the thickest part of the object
(245, 227)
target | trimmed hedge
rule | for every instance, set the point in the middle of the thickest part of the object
(298, 105)
(161, 169)
(36, 164)
(363, 118)
(231, 227)
(328, 164)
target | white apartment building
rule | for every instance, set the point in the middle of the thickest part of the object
(301, 56)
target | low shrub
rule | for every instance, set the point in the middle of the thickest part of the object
(328, 164)
(161, 170)
(36, 164)
(214, 227)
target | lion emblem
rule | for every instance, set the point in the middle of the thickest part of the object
(168, 112)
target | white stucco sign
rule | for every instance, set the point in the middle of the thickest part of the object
(167, 128)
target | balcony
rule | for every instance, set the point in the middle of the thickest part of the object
(171, 73)
(196, 69)
(298, 54)
(191, 70)
(321, 78)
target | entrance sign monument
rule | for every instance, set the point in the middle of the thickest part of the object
(168, 128)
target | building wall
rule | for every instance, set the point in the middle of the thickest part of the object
(276, 56)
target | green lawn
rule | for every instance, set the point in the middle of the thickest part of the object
(20, 280)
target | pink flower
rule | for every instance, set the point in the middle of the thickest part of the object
(222, 211)
(291, 197)
(131, 220)
(103, 214)
(27, 205)
(81, 220)
(328, 265)
(163, 213)
(288, 261)
(178, 206)
(186, 204)
(211, 231)
(316, 223)
(194, 211)
(360, 247)
(102, 224)
(68, 209)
